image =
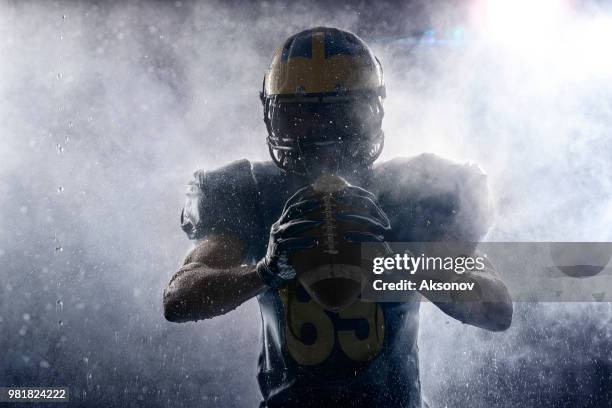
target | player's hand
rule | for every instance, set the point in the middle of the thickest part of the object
(287, 236)
(362, 209)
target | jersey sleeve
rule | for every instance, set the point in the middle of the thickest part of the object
(222, 201)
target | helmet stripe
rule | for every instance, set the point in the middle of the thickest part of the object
(336, 43)
(323, 60)
(299, 45)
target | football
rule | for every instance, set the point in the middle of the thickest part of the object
(330, 272)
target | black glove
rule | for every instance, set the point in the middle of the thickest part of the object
(286, 234)
(364, 210)
(286, 237)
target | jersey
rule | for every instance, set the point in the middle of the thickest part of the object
(366, 354)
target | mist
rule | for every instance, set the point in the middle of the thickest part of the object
(107, 108)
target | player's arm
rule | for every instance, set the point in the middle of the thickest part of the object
(219, 216)
(212, 281)
(488, 305)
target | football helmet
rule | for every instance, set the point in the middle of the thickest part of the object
(322, 98)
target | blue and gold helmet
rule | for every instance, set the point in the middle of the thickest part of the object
(322, 98)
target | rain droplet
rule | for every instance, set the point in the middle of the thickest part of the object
(60, 324)
(60, 149)
(60, 189)
(59, 249)
(63, 16)
(59, 75)
(70, 124)
(59, 305)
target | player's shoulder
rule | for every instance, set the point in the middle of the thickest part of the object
(430, 168)
(437, 192)
(240, 171)
(221, 200)
(235, 198)
(237, 175)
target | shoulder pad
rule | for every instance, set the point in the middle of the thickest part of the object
(435, 198)
(222, 200)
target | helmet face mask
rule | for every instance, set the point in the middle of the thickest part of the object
(329, 135)
(323, 108)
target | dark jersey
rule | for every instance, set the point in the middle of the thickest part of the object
(366, 354)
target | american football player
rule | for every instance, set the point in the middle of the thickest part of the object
(323, 108)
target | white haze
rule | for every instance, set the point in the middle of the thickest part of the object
(107, 108)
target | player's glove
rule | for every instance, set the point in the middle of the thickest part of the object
(286, 236)
(361, 208)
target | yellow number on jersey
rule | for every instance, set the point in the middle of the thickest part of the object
(300, 313)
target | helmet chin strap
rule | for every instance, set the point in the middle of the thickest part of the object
(301, 159)
(337, 162)
(314, 172)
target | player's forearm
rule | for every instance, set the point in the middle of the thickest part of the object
(488, 305)
(199, 292)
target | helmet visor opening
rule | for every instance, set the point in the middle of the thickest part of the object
(313, 124)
